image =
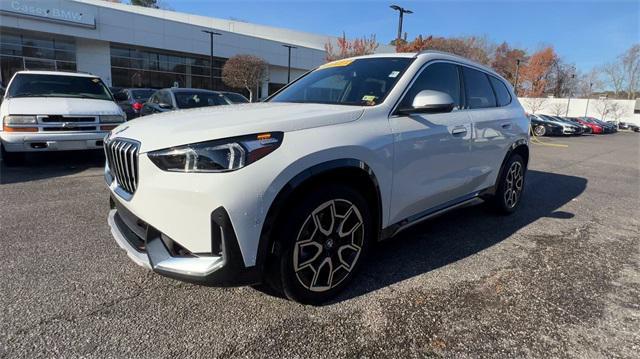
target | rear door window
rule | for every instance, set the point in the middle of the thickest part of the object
(502, 93)
(479, 93)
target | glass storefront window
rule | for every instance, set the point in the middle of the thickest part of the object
(34, 52)
(139, 67)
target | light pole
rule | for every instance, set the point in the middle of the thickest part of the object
(211, 33)
(517, 73)
(289, 47)
(586, 109)
(402, 11)
(573, 76)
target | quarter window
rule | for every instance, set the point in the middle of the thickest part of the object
(440, 76)
(478, 89)
(502, 94)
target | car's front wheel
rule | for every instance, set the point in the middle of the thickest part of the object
(11, 158)
(324, 238)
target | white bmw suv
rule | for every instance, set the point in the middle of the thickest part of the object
(292, 192)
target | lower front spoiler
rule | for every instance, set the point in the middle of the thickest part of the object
(224, 270)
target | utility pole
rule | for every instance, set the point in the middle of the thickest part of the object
(401, 11)
(211, 33)
(586, 109)
(517, 73)
(289, 62)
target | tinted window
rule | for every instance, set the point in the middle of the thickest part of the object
(164, 97)
(235, 98)
(120, 96)
(198, 99)
(361, 82)
(503, 95)
(141, 95)
(478, 89)
(32, 85)
(440, 76)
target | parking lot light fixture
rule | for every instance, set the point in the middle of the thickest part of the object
(515, 86)
(289, 47)
(401, 12)
(211, 34)
(586, 109)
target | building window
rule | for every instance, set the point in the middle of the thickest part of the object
(140, 67)
(25, 51)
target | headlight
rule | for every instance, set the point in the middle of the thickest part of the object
(19, 120)
(111, 118)
(217, 156)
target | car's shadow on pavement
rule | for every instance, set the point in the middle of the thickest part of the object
(43, 165)
(461, 233)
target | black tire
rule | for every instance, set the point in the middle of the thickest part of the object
(539, 131)
(510, 186)
(292, 272)
(11, 158)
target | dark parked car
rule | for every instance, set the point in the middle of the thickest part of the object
(182, 98)
(579, 130)
(542, 127)
(131, 100)
(234, 98)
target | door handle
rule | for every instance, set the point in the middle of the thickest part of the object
(506, 125)
(458, 130)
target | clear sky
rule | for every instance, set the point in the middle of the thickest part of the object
(587, 33)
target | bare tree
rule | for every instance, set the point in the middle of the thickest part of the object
(614, 76)
(535, 104)
(631, 67)
(589, 82)
(603, 107)
(244, 71)
(558, 109)
(617, 111)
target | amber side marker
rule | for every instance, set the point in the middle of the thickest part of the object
(6, 128)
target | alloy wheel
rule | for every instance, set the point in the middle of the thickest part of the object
(513, 185)
(328, 245)
(539, 130)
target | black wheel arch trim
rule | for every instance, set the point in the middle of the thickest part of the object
(276, 207)
(519, 143)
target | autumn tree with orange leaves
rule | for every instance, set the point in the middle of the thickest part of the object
(474, 48)
(505, 59)
(534, 74)
(347, 48)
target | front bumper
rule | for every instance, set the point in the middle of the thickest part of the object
(42, 141)
(148, 247)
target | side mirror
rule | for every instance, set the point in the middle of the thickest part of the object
(429, 101)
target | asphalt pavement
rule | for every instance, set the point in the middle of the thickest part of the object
(560, 278)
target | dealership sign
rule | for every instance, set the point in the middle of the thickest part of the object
(57, 11)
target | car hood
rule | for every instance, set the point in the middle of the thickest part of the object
(60, 106)
(209, 123)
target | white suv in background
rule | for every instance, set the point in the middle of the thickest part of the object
(292, 192)
(55, 111)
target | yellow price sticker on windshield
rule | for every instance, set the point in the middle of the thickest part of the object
(339, 63)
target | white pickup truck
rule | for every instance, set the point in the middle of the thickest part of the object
(55, 111)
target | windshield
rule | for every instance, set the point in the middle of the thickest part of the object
(141, 95)
(198, 99)
(361, 82)
(38, 85)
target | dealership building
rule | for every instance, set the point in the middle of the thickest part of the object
(132, 46)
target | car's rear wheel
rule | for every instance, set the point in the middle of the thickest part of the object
(539, 130)
(510, 186)
(324, 238)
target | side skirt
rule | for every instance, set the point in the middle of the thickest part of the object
(470, 199)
